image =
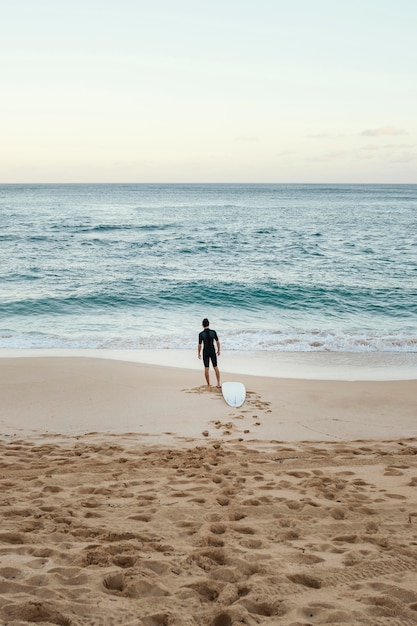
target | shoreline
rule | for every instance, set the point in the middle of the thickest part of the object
(348, 366)
(72, 396)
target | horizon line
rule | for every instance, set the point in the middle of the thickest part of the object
(199, 183)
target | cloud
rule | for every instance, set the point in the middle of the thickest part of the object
(383, 130)
(319, 136)
(391, 153)
(247, 138)
(405, 157)
(329, 156)
(387, 146)
(325, 136)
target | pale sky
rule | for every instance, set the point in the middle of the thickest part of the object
(217, 91)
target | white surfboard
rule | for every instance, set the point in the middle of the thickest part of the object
(234, 393)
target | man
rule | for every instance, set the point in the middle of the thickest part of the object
(208, 337)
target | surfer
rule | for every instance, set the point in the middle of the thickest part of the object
(208, 337)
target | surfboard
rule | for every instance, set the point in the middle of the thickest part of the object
(234, 393)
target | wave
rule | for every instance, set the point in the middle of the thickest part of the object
(334, 301)
(285, 340)
(110, 228)
(303, 267)
(150, 293)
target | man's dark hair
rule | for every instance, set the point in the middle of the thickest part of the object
(206, 322)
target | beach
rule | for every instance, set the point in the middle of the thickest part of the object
(81, 391)
(133, 495)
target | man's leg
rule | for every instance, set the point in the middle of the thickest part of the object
(207, 375)
(216, 369)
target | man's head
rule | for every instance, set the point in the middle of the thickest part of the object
(206, 323)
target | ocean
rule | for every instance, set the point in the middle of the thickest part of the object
(306, 268)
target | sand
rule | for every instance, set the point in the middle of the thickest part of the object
(132, 495)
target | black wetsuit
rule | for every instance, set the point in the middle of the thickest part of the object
(207, 337)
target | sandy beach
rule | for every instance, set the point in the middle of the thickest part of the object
(133, 495)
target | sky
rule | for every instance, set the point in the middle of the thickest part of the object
(307, 91)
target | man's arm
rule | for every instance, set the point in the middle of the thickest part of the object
(199, 351)
(218, 347)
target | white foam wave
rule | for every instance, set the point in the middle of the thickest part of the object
(291, 340)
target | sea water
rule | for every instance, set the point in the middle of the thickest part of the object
(306, 268)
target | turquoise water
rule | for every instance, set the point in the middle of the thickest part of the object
(274, 267)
